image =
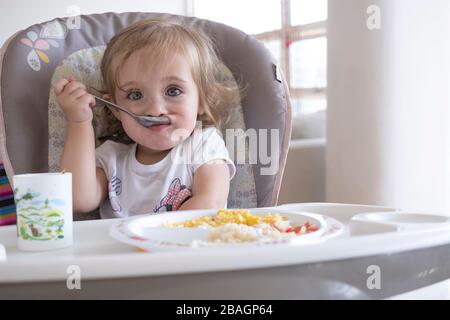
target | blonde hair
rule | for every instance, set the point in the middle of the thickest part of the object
(162, 38)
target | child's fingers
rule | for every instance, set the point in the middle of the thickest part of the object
(87, 99)
(73, 86)
(58, 85)
(77, 93)
(92, 102)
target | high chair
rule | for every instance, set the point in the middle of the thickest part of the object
(32, 137)
(32, 126)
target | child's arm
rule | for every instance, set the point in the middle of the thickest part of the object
(210, 186)
(89, 183)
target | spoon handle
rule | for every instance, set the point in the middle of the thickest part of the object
(146, 121)
(110, 104)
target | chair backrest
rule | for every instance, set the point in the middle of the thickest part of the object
(29, 58)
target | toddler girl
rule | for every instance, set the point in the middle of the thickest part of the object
(155, 68)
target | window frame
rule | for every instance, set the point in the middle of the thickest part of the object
(287, 35)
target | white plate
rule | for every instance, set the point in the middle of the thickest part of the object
(145, 232)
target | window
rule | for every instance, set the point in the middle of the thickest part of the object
(295, 33)
(308, 63)
(308, 11)
(238, 13)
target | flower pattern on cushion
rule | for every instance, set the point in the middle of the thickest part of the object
(49, 32)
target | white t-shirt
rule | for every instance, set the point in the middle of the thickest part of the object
(135, 188)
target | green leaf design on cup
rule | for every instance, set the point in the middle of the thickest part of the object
(38, 222)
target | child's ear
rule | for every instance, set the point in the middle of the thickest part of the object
(115, 112)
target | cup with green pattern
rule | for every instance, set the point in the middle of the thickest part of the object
(44, 210)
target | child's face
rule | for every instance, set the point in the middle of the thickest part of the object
(163, 89)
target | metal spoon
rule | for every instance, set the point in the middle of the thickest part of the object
(146, 121)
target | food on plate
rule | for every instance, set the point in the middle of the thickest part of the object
(240, 226)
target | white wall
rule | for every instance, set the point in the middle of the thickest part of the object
(388, 127)
(20, 14)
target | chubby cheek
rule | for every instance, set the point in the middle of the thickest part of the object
(186, 123)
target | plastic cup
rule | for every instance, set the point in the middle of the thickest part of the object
(44, 210)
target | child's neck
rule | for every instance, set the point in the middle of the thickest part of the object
(147, 156)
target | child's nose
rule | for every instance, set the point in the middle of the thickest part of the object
(155, 109)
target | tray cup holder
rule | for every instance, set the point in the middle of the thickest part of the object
(381, 222)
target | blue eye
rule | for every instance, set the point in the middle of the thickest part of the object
(135, 95)
(173, 92)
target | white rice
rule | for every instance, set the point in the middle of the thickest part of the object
(239, 233)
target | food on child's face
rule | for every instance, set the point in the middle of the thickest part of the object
(239, 226)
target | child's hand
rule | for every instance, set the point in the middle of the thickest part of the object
(74, 100)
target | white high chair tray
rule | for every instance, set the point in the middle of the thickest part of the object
(368, 231)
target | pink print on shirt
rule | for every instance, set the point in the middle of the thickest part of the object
(175, 197)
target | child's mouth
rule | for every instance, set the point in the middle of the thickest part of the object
(159, 127)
